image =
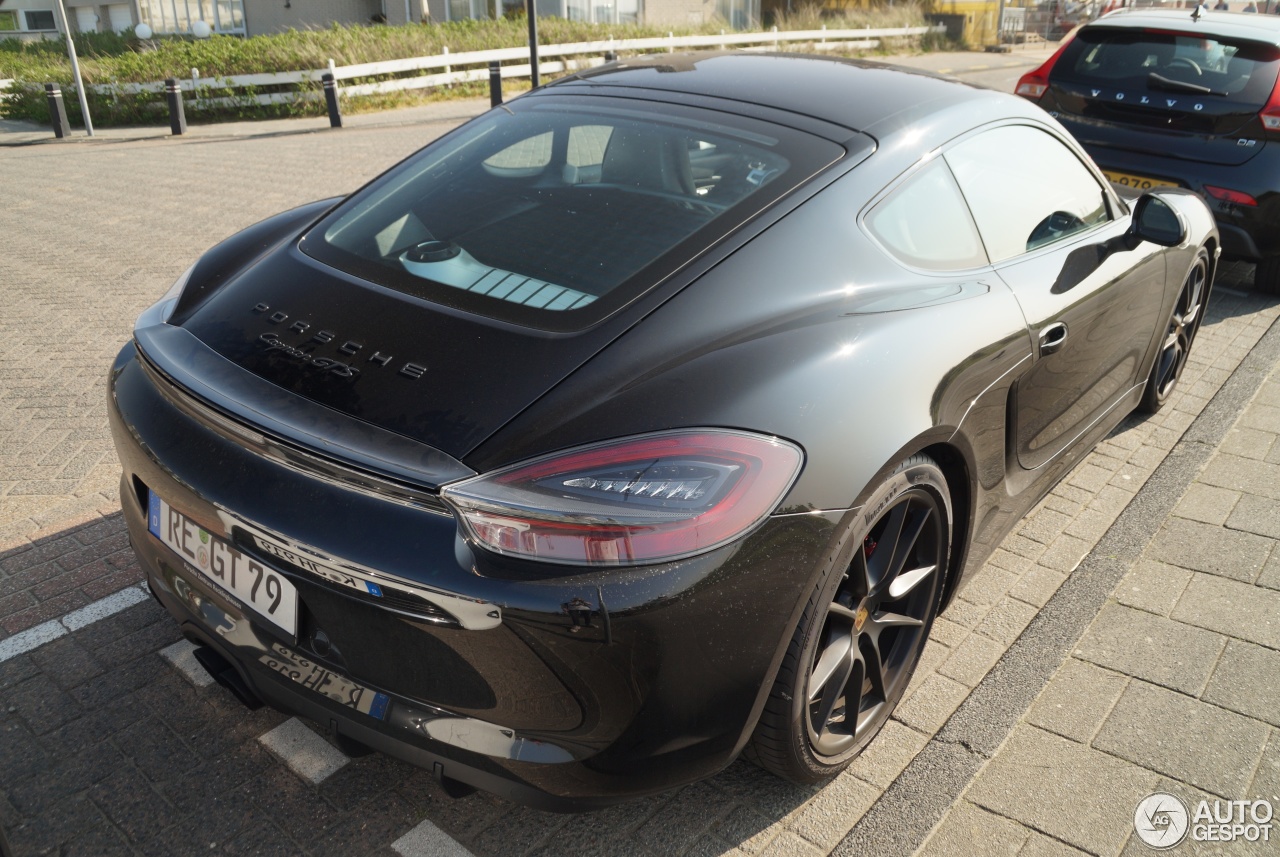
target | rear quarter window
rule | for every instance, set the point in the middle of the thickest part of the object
(925, 223)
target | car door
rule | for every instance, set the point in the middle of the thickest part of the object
(1051, 230)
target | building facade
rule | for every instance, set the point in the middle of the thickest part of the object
(36, 19)
(33, 19)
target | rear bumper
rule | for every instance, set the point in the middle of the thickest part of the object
(1238, 243)
(204, 621)
(592, 689)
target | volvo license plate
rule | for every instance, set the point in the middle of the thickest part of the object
(1136, 182)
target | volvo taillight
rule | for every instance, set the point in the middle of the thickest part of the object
(1226, 194)
(1034, 84)
(1270, 114)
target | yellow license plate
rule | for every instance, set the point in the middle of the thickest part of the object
(1136, 182)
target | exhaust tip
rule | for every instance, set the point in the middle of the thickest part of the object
(350, 747)
(225, 674)
(455, 789)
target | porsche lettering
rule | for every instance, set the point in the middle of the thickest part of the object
(351, 348)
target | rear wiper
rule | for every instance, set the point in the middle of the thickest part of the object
(1159, 81)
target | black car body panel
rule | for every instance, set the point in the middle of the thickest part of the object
(612, 691)
(377, 348)
(858, 96)
(576, 686)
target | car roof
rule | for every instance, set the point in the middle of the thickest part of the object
(1232, 25)
(853, 94)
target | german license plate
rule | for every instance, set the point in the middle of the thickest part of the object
(262, 589)
(325, 682)
(1136, 182)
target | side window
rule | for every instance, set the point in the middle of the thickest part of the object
(532, 155)
(1025, 189)
(587, 144)
(925, 223)
(584, 159)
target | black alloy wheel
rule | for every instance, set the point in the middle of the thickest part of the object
(862, 631)
(1179, 335)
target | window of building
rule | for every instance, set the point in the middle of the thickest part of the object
(177, 16)
(40, 19)
(590, 11)
(462, 9)
(741, 14)
(120, 17)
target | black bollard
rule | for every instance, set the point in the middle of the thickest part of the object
(57, 110)
(331, 99)
(610, 56)
(495, 84)
(531, 12)
(177, 114)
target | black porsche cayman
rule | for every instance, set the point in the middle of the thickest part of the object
(643, 421)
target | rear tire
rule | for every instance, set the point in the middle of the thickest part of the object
(1266, 276)
(862, 631)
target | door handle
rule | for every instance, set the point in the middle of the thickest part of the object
(1052, 338)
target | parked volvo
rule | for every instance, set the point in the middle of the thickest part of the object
(1175, 98)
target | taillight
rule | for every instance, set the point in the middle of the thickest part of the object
(1032, 85)
(1270, 115)
(1035, 84)
(643, 499)
(1237, 197)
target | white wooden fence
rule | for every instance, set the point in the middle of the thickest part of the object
(467, 66)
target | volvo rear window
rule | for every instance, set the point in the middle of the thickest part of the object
(552, 212)
(1154, 61)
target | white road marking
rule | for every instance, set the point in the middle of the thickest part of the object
(34, 638)
(427, 840)
(310, 756)
(104, 607)
(181, 655)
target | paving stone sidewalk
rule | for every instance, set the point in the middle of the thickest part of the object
(1174, 687)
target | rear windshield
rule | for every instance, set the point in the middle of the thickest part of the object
(551, 212)
(1144, 60)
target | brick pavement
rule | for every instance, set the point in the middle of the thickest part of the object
(1174, 687)
(110, 748)
(78, 269)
